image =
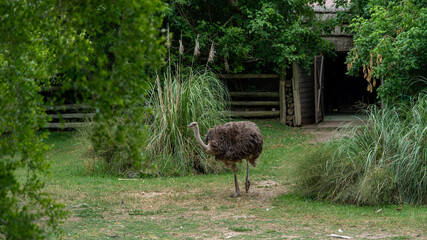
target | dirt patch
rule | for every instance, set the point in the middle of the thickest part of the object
(322, 135)
(265, 190)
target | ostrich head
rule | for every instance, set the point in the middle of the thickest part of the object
(193, 125)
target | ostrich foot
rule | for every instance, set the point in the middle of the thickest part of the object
(236, 194)
(247, 185)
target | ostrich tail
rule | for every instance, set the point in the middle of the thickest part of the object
(253, 160)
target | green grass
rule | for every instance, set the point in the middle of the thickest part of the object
(200, 206)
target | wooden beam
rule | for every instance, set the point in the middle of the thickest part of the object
(316, 91)
(256, 113)
(72, 115)
(282, 94)
(342, 44)
(248, 76)
(255, 103)
(66, 125)
(295, 84)
(69, 107)
(254, 94)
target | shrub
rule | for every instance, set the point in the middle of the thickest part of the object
(389, 35)
(111, 145)
(383, 161)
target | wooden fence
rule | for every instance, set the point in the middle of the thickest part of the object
(69, 115)
(261, 104)
(258, 104)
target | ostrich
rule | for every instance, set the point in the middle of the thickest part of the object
(231, 143)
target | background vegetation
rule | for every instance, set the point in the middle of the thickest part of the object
(254, 36)
(390, 41)
(102, 50)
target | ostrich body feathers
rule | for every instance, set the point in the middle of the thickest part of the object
(234, 141)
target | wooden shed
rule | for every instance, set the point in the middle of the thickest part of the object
(299, 97)
(326, 89)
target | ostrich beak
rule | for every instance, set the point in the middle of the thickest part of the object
(188, 125)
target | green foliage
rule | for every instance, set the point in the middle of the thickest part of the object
(384, 161)
(101, 49)
(176, 101)
(259, 35)
(389, 45)
(108, 144)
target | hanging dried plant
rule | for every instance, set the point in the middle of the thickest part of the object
(379, 60)
(181, 47)
(211, 53)
(168, 44)
(197, 47)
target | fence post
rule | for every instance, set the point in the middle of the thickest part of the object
(296, 92)
(282, 95)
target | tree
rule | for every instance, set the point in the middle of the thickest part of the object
(102, 49)
(258, 35)
(390, 42)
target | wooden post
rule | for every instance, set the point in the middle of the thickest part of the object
(282, 95)
(296, 90)
(316, 91)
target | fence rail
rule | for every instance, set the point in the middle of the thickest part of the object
(254, 104)
(69, 116)
(248, 76)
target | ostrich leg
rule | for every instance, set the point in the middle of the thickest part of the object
(247, 183)
(236, 183)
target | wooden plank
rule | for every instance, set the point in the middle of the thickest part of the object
(256, 113)
(306, 90)
(248, 76)
(69, 107)
(305, 80)
(66, 125)
(306, 84)
(307, 94)
(295, 84)
(72, 115)
(316, 90)
(307, 111)
(282, 94)
(254, 94)
(321, 87)
(307, 100)
(255, 103)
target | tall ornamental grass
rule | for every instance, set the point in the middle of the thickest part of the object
(383, 161)
(176, 101)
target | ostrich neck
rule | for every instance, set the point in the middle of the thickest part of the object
(199, 140)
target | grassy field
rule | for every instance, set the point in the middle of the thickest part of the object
(201, 206)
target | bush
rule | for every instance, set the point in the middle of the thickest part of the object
(384, 161)
(389, 35)
(180, 100)
(111, 145)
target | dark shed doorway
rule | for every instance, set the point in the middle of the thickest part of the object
(344, 94)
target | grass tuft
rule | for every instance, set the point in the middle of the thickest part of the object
(178, 100)
(384, 161)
